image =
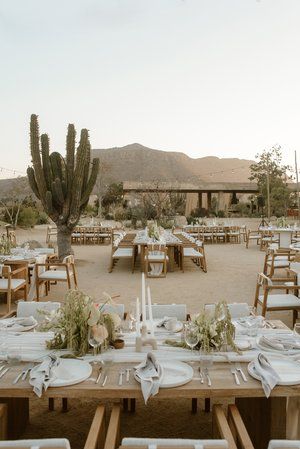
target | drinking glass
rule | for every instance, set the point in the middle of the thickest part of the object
(14, 355)
(297, 330)
(191, 335)
(94, 342)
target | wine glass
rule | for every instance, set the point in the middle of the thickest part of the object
(191, 335)
(297, 330)
(94, 342)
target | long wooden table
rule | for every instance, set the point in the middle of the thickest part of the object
(256, 410)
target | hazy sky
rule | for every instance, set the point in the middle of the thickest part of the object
(206, 77)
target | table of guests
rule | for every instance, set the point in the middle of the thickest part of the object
(160, 358)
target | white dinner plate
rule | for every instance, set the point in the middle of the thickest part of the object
(175, 374)
(274, 350)
(18, 328)
(79, 371)
(287, 370)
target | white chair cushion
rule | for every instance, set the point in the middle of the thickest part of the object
(279, 263)
(44, 250)
(172, 310)
(191, 252)
(54, 275)
(46, 442)
(31, 308)
(154, 442)
(236, 310)
(254, 237)
(123, 252)
(15, 283)
(119, 309)
(282, 300)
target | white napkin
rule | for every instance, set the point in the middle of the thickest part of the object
(150, 374)
(46, 372)
(251, 321)
(22, 321)
(280, 343)
(266, 373)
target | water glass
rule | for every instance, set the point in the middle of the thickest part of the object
(14, 355)
(191, 335)
(94, 342)
(297, 330)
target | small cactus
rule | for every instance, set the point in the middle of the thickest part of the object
(63, 185)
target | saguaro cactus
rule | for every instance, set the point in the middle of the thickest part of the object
(63, 185)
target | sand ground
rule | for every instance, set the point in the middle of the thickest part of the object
(231, 276)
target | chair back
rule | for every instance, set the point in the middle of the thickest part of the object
(44, 250)
(282, 444)
(236, 310)
(178, 443)
(171, 310)
(53, 443)
(69, 259)
(119, 309)
(32, 308)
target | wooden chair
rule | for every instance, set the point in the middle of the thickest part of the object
(234, 234)
(51, 231)
(34, 309)
(277, 302)
(95, 438)
(178, 311)
(219, 234)
(156, 255)
(252, 236)
(121, 251)
(220, 424)
(276, 259)
(194, 252)
(65, 272)
(12, 281)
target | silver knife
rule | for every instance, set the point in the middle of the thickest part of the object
(201, 375)
(239, 369)
(104, 382)
(207, 376)
(99, 375)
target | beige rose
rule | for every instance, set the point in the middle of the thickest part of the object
(99, 332)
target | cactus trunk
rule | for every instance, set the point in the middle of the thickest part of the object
(64, 241)
(62, 184)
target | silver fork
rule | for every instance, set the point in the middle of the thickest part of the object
(239, 369)
(233, 370)
(23, 374)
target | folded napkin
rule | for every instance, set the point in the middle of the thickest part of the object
(150, 374)
(22, 321)
(284, 343)
(263, 369)
(46, 372)
(164, 321)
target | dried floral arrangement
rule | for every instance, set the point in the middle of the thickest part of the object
(71, 323)
(214, 330)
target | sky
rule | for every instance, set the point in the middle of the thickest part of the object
(205, 77)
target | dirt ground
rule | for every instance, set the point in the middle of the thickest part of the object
(231, 276)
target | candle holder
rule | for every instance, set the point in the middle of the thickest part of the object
(143, 340)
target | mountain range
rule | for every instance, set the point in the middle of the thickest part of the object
(136, 162)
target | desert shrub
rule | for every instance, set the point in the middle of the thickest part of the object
(165, 223)
(90, 211)
(199, 212)
(221, 213)
(120, 213)
(28, 217)
(42, 218)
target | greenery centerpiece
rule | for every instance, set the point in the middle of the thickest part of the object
(5, 245)
(214, 329)
(72, 321)
(154, 231)
(282, 223)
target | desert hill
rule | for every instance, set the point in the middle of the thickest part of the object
(136, 162)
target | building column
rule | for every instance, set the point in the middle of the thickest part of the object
(221, 201)
(200, 200)
(208, 200)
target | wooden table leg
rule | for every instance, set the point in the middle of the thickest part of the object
(265, 419)
(171, 258)
(17, 415)
(142, 256)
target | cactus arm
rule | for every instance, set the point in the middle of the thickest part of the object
(91, 181)
(45, 147)
(86, 168)
(78, 177)
(70, 154)
(56, 165)
(36, 157)
(32, 182)
(57, 192)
